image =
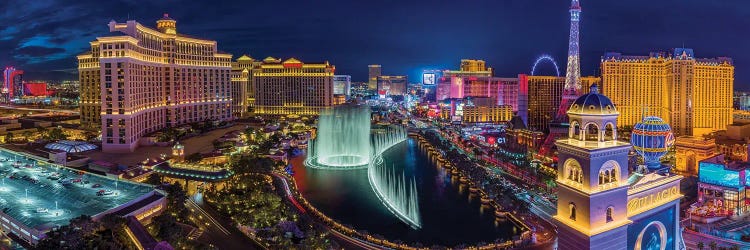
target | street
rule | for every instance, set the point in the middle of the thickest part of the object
(215, 232)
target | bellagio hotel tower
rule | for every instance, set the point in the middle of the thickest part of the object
(142, 80)
(693, 95)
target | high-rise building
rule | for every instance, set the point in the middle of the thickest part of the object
(374, 71)
(474, 79)
(146, 79)
(693, 95)
(293, 87)
(470, 65)
(544, 98)
(243, 94)
(503, 91)
(12, 83)
(600, 204)
(342, 85)
(392, 85)
(89, 79)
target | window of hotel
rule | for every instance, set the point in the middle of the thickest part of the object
(610, 210)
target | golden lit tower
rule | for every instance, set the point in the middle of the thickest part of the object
(693, 95)
(167, 25)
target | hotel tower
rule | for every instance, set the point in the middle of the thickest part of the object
(693, 95)
(602, 204)
(292, 87)
(143, 80)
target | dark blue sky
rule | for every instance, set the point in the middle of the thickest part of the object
(43, 36)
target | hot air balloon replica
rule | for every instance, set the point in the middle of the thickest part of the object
(652, 139)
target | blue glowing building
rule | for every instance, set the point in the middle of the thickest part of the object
(722, 187)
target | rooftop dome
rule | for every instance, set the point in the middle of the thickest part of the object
(593, 103)
(71, 146)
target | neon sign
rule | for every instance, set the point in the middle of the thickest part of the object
(639, 204)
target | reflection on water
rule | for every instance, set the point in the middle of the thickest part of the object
(450, 215)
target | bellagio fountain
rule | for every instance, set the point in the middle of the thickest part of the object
(345, 140)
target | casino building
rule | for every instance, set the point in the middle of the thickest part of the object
(141, 80)
(601, 205)
(693, 95)
(293, 87)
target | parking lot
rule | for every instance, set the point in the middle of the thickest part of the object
(43, 195)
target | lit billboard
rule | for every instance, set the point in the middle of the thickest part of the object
(428, 78)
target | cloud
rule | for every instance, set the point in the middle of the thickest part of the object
(38, 51)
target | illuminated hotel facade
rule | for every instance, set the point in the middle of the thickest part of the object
(474, 80)
(693, 95)
(392, 85)
(12, 83)
(293, 87)
(144, 80)
(601, 204)
(243, 93)
(374, 71)
(544, 97)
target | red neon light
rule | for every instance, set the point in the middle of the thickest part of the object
(292, 65)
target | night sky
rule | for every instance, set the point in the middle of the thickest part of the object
(43, 36)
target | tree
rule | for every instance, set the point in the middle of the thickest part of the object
(153, 179)
(9, 137)
(700, 245)
(167, 228)
(316, 240)
(712, 245)
(176, 200)
(26, 135)
(57, 134)
(90, 135)
(42, 131)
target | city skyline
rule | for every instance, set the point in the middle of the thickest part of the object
(47, 36)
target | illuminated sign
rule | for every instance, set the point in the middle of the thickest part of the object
(428, 78)
(655, 231)
(653, 199)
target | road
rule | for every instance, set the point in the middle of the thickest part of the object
(216, 233)
(72, 112)
(692, 239)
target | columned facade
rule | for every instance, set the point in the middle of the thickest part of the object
(150, 79)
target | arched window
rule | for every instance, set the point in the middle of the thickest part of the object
(574, 171)
(608, 173)
(592, 132)
(575, 130)
(610, 210)
(610, 132)
(572, 207)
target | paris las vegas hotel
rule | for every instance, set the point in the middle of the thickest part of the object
(144, 79)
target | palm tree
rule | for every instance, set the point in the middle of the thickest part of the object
(700, 245)
(712, 245)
